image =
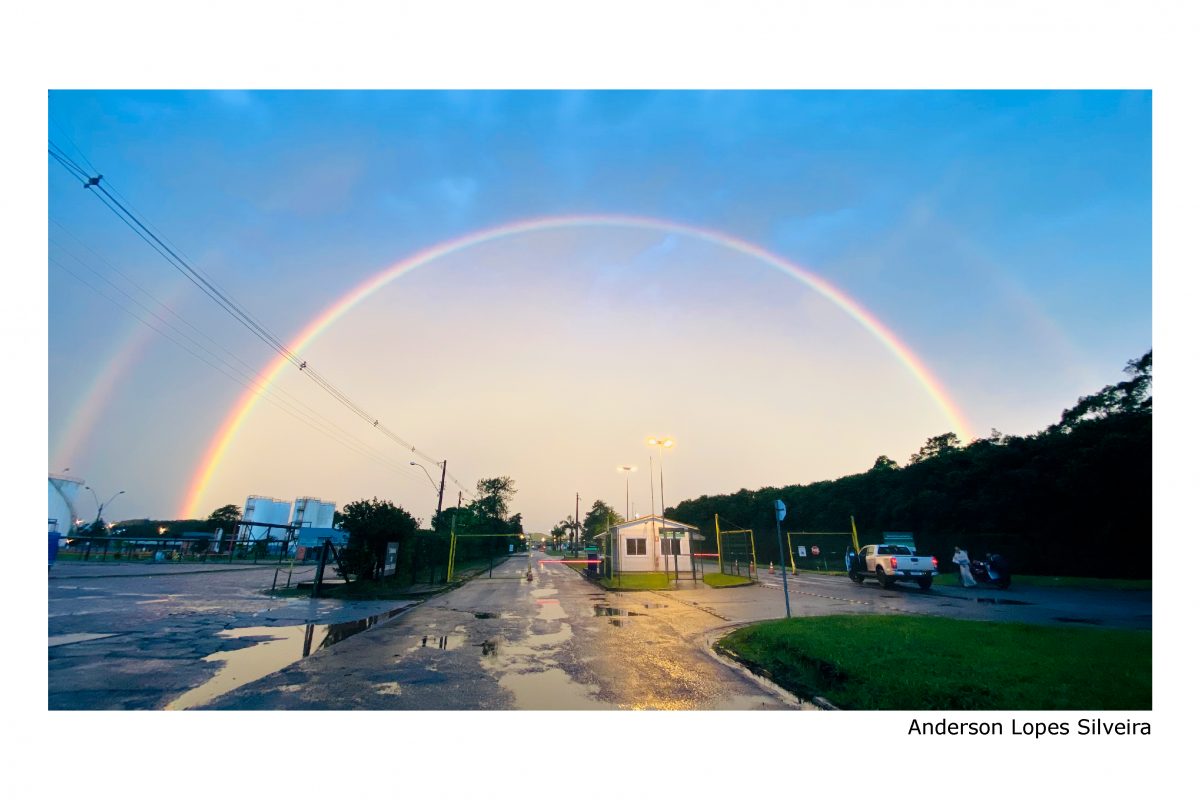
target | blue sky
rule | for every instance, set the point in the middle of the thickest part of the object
(1004, 236)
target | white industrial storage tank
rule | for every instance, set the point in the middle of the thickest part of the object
(62, 502)
(312, 512)
(267, 510)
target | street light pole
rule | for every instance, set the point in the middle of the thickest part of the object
(627, 469)
(433, 483)
(662, 497)
(100, 506)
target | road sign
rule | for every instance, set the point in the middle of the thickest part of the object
(800, 551)
(780, 510)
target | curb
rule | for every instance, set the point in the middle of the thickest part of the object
(759, 675)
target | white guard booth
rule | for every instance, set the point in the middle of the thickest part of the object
(650, 544)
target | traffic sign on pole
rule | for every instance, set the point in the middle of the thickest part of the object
(780, 512)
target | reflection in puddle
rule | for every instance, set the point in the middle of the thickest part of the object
(617, 622)
(550, 689)
(75, 638)
(609, 611)
(278, 647)
(450, 641)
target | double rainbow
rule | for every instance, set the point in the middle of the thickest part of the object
(246, 403)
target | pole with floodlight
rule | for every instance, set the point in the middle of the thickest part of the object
(665, 442)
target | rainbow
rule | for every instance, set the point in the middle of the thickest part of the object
(82, 421)
(246, 403)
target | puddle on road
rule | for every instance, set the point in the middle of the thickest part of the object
(617, 622)
(450, 641)
(656, 605)
(550, 690)
(486, 615)
(550, 610)
(74, 638)
(609, 611)
(282, 645)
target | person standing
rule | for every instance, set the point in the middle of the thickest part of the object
(964, 568)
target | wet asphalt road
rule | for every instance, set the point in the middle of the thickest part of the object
(815, 595)
(125, 636)
(504, 643)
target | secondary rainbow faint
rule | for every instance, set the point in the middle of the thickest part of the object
(245, 404)
(83, 419)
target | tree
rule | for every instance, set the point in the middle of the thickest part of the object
(226, 518)
(884, 464)
(935, 446)
(600, 518)
(372, 524)
(1126, 397)
(494, 496)
(572, 526)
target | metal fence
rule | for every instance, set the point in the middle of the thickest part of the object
(168, 549)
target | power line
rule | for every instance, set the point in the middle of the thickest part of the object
(231, 307)
(267, 392)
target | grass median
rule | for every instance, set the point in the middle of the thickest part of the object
(929, 663)
(720, 579)
(634, 581)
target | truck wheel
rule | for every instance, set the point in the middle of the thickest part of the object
(925, 583)
(882, 577)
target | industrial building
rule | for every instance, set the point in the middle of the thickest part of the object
(312, 512)
(267, 510)
(63, 511)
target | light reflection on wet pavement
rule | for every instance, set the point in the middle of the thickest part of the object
(549, 644)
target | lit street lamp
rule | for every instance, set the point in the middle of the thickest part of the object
(627, 470)
(100, 506)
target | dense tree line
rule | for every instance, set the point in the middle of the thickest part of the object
(1073, 499)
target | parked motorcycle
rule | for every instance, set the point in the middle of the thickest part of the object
(992, 572)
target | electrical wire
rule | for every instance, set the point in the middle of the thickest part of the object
(313, 419)
(224, 301)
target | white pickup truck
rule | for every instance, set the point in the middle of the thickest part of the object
(888, 563)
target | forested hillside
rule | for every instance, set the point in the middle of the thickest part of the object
(1073, 499)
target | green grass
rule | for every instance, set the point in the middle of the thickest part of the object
(1126, 584)
(637, 580)
(931, 663)
(721, 579)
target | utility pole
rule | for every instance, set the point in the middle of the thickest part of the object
(442, 489)
(577, 523)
